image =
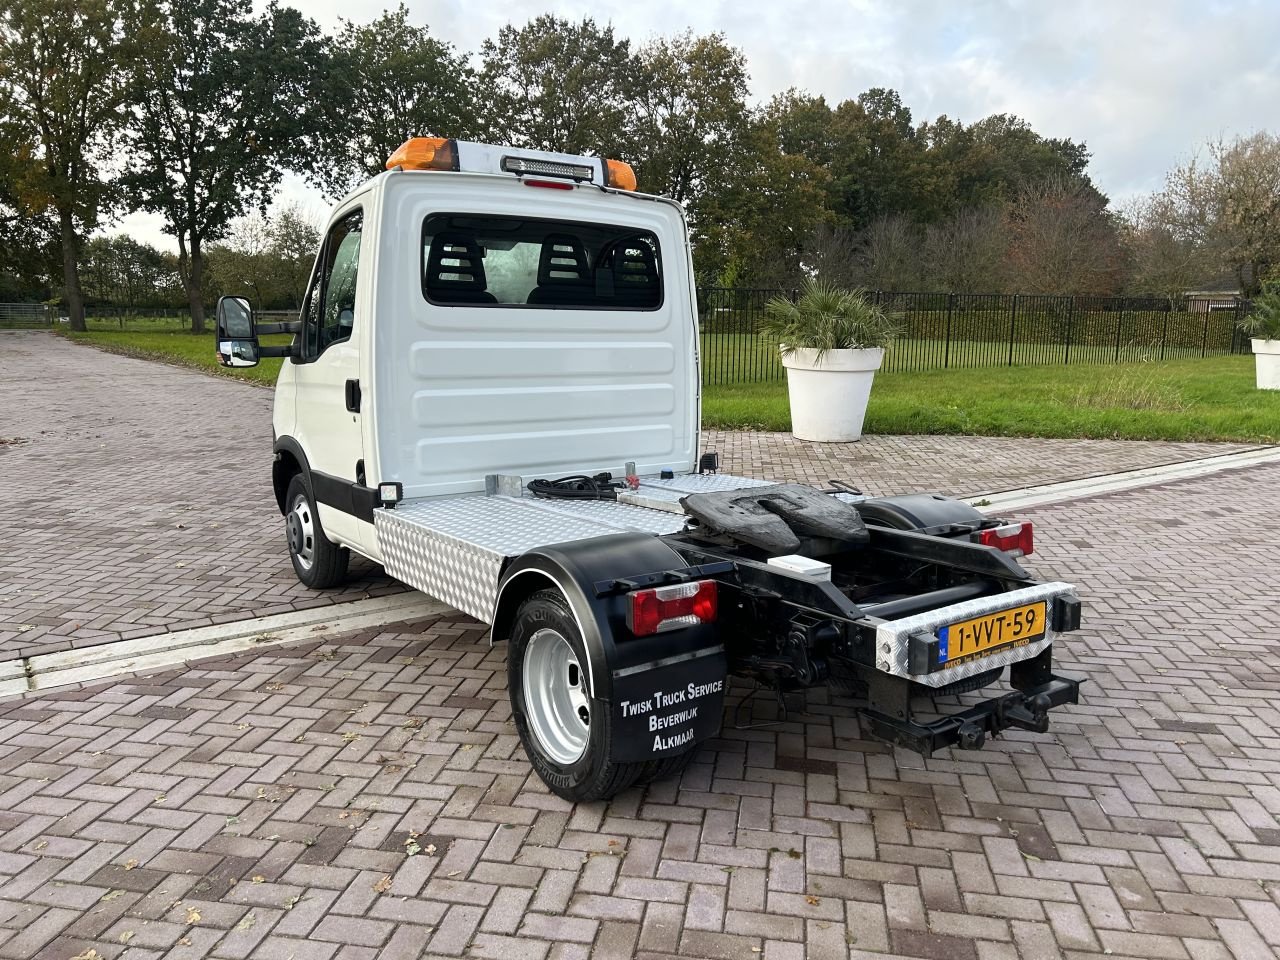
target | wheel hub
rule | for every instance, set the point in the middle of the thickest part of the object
(555, 697)
(300, 531)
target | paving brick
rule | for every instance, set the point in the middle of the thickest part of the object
(1144, 823)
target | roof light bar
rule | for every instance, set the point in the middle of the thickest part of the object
(548, 168)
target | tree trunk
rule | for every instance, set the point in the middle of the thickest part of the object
(195, 295)
(71, 271)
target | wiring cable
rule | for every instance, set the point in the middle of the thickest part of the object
(578, 487)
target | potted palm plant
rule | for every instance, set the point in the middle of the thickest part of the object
(1262, 324)
(832, 342)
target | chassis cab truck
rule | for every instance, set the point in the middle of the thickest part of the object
(493, 391)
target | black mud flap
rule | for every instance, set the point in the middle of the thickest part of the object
(666, 707)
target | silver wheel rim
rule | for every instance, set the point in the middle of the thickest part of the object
(555, 697)
(301, 529)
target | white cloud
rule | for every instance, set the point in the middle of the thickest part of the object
(1143, 82)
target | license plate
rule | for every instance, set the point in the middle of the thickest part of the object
(983, 636)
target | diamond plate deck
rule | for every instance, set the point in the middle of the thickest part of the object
(454, 548)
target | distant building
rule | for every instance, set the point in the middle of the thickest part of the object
(1214, 296)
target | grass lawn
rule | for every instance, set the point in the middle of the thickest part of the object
(181, 348)
(1211, 398)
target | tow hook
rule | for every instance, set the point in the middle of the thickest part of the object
(972, 736)
(1025, 713)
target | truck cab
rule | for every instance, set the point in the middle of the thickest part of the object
(493, 390)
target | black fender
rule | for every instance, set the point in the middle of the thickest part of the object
(666, 691)
(287, 449)
(926, 512)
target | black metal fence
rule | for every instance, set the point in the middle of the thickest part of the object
(945, 330)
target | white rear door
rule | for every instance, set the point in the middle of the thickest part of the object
(529, 331)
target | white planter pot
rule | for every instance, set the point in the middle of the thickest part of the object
(829, 396)
(1266, 358)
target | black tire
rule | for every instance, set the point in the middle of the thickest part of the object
(326, 565)
(594, 774)
(666, 767)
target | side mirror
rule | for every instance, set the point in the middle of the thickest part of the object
(236, 334)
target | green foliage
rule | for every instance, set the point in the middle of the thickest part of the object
(1262, 322)
(1181, 400)
(826, 318)
(692, 114)
(385, 82)
(63, 91)
(223, 100)
(120, 270)
(267, 259)
(557, 85)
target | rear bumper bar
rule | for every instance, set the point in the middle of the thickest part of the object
(1024, 709)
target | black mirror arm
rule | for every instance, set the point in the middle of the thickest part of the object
(293, 326)
(285, 351)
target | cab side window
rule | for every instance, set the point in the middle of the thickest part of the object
(329, 314)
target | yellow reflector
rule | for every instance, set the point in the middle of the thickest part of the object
(619, 175)
(425, 153)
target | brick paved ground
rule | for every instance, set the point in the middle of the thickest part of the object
(267, 806)
(140, 500)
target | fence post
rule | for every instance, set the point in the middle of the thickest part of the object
(1164, 332)
(1013, 323)
(1119, 327)
(1204, 340)
(1071, 319)
(946, 354)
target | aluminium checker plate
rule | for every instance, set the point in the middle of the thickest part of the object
(455, 548)
(894, 636)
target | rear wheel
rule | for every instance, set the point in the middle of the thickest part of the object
(318, 561)
(565, 731)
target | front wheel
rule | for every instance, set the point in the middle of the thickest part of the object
(318, 561)
(566, 732)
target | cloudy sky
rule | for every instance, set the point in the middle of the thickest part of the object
(1143, 82)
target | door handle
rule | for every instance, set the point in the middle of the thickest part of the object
(353, 396)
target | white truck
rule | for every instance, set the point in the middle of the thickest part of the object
(493, 391)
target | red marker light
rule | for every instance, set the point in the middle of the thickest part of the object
(1011, 537)
(672, 608)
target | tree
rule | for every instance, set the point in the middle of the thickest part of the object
(1229, 206)
(266, 258)
(1162, 261)
(692, 115)
(561, 86)
(889, 254)
(295, 240)
(1062, 241)
(966, 252)
(387, 81)
(62, 80)
(122, 271)
(224, 98)
(754, 230)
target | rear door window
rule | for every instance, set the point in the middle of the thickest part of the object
(490, 261)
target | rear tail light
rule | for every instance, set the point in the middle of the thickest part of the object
(1011, 537)
(671, 608)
